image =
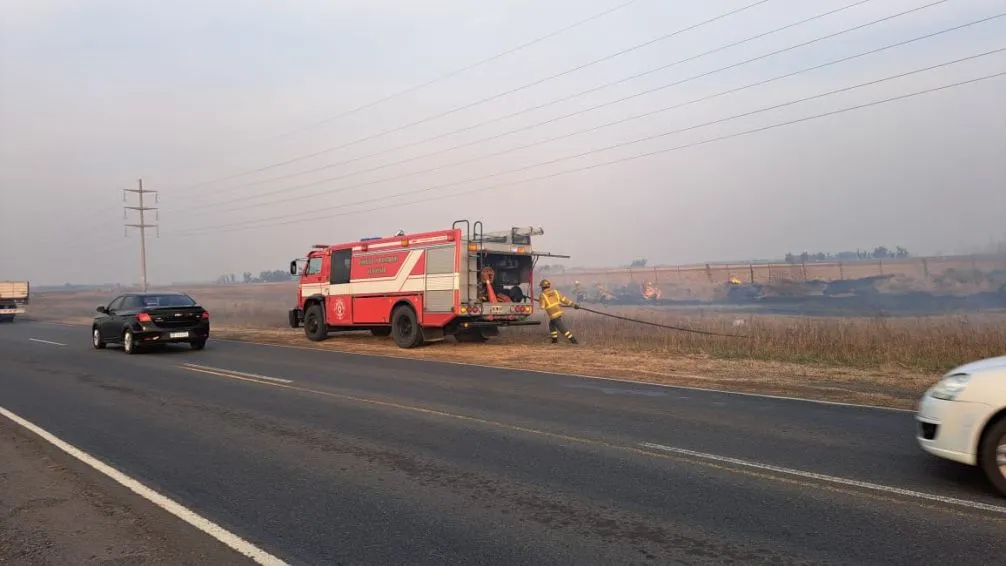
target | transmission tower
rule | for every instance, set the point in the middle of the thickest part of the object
(142, 225)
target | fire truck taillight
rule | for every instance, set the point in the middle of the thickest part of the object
(473, 247)
(463, 309)
(475, 310)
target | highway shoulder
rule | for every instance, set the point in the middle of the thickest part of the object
(55, 510)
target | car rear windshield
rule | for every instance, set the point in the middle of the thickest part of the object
(167, 301)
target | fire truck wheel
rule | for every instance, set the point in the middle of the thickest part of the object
(314, 324)
(405, 327)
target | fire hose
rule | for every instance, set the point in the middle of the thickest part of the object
(657, 324)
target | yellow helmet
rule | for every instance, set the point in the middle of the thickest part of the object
(545, 283)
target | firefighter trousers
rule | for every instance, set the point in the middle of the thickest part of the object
(557, 325)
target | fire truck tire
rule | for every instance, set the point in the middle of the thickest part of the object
(381, 331)
(405, 327)
(315, 327)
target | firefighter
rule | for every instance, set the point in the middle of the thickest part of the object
(551, 300)
(578, 291)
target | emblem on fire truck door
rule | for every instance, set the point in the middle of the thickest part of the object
(340, 309)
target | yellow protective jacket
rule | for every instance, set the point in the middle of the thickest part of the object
(550, 300)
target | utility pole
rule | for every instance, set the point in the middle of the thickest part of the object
(142, 226)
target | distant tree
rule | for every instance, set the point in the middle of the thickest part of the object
(790, 258)
(881, 252)
(274, 276)
(820, 256)
(900, 252)
(638, 263)
(247, 277)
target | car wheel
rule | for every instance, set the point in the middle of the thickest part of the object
(198, 344)
(128, 342)
(405, 327)
(314, 324)
(96, 342)
(992, 455)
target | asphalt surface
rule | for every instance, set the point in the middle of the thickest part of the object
(320, 457)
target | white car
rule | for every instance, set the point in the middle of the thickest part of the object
(963, 418)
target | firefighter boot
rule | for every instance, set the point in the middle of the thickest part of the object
(572, 340)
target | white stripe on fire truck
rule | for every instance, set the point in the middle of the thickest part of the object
(414, 284)
(401, 282)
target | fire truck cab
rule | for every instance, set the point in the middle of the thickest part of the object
(419, 287)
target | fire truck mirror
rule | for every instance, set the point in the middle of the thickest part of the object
(293, 267)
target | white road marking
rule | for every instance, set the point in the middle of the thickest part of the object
(203, 524)
(829, 479)
(239, 373)
(563, 374)
(40, 341)
(581, 376)
(691, 456)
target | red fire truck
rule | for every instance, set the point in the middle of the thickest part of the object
(420, 287)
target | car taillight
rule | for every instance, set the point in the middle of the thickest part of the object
(143, 317)
(206, 315)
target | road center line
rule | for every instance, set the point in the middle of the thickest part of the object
(40, 341)
(552, 373)
(829, 479)
(745, 467)
(238, 373)
(191, 517)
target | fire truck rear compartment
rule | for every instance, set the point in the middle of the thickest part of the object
(510, 274)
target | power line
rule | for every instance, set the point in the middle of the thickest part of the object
(430, 82)
(567, 98)
(464, 69)
(495, 96)
(240, 226)
(591, 129)
(142, 226)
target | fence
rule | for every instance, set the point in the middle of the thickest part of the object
(715, 274)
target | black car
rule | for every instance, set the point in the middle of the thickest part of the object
(138, 320)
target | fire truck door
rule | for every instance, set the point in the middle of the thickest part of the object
(340, 300)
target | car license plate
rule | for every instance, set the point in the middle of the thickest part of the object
(178, 335)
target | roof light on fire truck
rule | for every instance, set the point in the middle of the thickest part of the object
(473, 247)
(405, 242)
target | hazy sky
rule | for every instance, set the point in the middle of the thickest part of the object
(94, 94)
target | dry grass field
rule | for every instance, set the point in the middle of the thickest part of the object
(886, 361)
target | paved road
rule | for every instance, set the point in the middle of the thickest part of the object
(320, 457)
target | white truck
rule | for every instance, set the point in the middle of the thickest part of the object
(13, 298)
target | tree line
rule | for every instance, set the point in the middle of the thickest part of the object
(880, 252)
(275, 276)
